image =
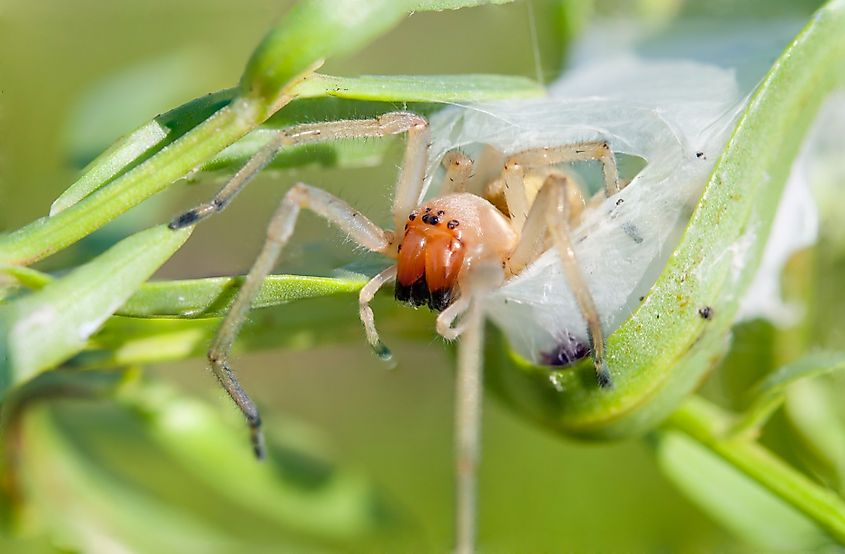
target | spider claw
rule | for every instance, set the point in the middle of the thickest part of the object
(384, 354)
(258, 445)
(185, 220)
(603, 375)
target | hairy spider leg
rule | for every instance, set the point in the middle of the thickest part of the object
(557, 218)
(445, 323)
(482, 279)
(458, 172)
(358, 227)
(550, 215)
(392, 123)
(566, 153)
(366, 312)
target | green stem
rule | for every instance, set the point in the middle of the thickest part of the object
(707, 424)
(51, 234)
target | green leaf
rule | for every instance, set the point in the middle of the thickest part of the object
(134, 182)
(139, 166)
(313, 30)
(213, 296)
(45, 328)
(439, 5)
(82, 504)
(813, 409)
(707, 424)
(176, 443)
(769, 394)
(420, 88)
(659, 355)
(342, 153)
(314, 103)
(297, 487)
(312, 322)
(734, 500)
(140, 145)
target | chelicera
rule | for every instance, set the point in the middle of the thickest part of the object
(448, 252)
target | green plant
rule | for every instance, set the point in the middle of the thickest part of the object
(127, 323)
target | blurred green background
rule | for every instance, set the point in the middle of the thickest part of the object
(75, 76)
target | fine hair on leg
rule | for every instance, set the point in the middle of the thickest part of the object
(482, 280)
(391, 123)
(458, 168)
(557, 218)
(446, 319)
(550, 216)
(582, 151)
(368, 292)
(363, 231)
(468, 394)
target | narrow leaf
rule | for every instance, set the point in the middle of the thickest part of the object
(139, 145)
(420, 88)
(213, 296)
(41, 330)
(314, 30)
(770, 393)
(297, 487)
(85, 506)
(733, 499)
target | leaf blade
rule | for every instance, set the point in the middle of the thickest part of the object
(41, 330)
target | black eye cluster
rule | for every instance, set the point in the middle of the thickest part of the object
(435, 218)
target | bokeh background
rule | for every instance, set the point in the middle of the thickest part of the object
(76, 75)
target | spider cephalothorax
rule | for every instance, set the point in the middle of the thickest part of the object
(442, 237)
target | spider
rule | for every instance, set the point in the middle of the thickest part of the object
(449, 252)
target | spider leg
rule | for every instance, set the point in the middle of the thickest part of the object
(358, 227)
(550, 215)
(515, 193)
(409, 186)
(558, 223)
(582, 151)
(367, 318)
(482, 279)
(447, 317)
(458, 172)
(388, 124)
(468, 394)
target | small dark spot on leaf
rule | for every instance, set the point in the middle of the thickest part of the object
(706, 312)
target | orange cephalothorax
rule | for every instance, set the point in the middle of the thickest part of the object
(431, 254)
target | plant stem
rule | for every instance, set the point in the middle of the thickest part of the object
(707, 424)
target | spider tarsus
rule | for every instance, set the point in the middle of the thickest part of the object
(383, 352)
(258, 445)
(603, 376)
(185, 220)
(256, 435)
